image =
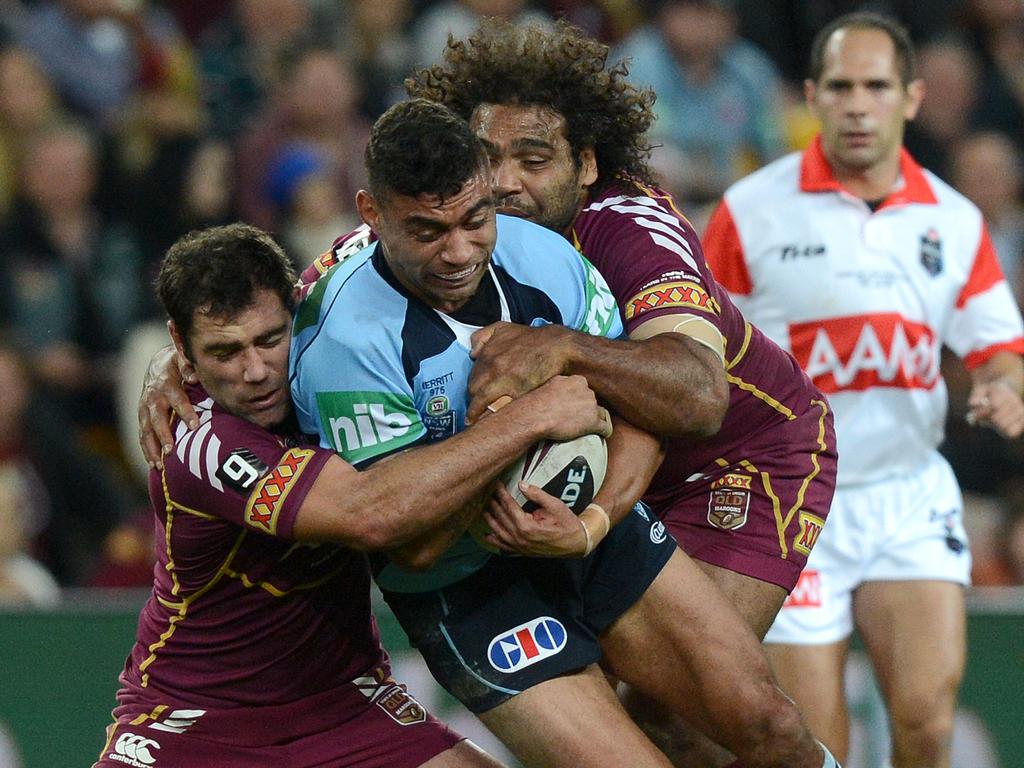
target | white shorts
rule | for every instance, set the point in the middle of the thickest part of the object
(898, 529)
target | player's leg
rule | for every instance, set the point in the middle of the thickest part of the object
(915, 634)
(812, 675)
(683, 644)
(757, 602)
(465, 754)
(573, 721)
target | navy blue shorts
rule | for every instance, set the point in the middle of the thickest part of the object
(520, 621)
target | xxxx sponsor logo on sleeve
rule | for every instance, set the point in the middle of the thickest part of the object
(361, 425)
(674, 295)
(527, 644)
(810, 529)
(730, 501)
(268, 498)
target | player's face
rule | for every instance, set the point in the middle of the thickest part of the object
(533, 171)
(438, 249)
(242, 361)
(861, 101)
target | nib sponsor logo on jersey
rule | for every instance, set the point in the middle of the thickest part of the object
(865, 351)
(366, 424)
(527, 644)
(134, 750)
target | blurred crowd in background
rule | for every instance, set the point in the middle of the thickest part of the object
(126, 123)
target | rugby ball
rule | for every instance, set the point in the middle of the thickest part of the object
(571, 470)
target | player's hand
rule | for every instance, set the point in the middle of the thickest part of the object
(997, 405)
(163, 394)
(550, 530)
(512, 360)
(568, 408)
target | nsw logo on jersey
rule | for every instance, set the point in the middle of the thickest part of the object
(365, 424)
(527, 644)
(931, 252)
(864, 351)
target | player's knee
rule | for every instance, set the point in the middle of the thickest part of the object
(921, 737)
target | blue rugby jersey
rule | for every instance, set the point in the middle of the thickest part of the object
(375, 370)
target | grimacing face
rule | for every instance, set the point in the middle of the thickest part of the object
(242, 361)
(439, 250)
(533, 172)
(861, 101)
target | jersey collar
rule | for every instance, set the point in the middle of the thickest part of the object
(816, 176)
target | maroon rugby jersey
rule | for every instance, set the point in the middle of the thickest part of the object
(240, 613)
(653, 262)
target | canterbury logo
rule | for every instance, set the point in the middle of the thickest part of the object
(134, 750)
(864, 351)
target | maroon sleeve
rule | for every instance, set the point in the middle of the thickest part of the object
(232, 469)
(650, 256)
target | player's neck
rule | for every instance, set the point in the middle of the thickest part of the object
(873, 183)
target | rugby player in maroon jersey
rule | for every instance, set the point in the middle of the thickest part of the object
(257, 645)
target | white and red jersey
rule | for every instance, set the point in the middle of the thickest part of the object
(865, 300)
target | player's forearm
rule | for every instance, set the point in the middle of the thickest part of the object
(633, 457)
(409, 494)
(422, 551)
(668, 384)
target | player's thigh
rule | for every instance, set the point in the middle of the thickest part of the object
(915, 633)
(685, 645)
(572, 721)
(465, 754)
(757, 601)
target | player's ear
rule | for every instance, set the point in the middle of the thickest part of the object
(179, 342)
(368, 209)
(588, 167)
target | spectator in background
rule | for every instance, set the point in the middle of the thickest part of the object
(102, 52)
(23, 579)
(72, 276)
(28, 103)
(987, 169)
(718, 96)
(238, 59)
(68, 498)
(316, 105)
(380, 49)
(301, 186)
(950, 71)
(460, 18)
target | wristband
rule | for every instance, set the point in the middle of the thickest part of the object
(600, 514)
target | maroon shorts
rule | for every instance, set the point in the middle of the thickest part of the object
(372, 723)
(761, 514)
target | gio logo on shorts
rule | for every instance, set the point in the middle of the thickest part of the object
(134, 750)
(527, 644)
(360, 425)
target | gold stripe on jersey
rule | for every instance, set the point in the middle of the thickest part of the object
(276, 591)
(743, 348)
(760, 395)
(651, 193)
(180, 607)
(154, 715)
(766, 484)
(806, 483)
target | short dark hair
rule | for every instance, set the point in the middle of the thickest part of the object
(218, 271)
(420, 147)
(905, 57)
(560, 68)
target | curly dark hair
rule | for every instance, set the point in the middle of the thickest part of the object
(563, 69)
(218, 271)
(420, 147)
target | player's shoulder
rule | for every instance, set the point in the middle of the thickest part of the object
(202, 458)
(523, 247)
(952, 201)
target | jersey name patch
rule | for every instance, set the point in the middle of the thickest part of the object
(268, 498)
(864, 351)
(667, 295)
